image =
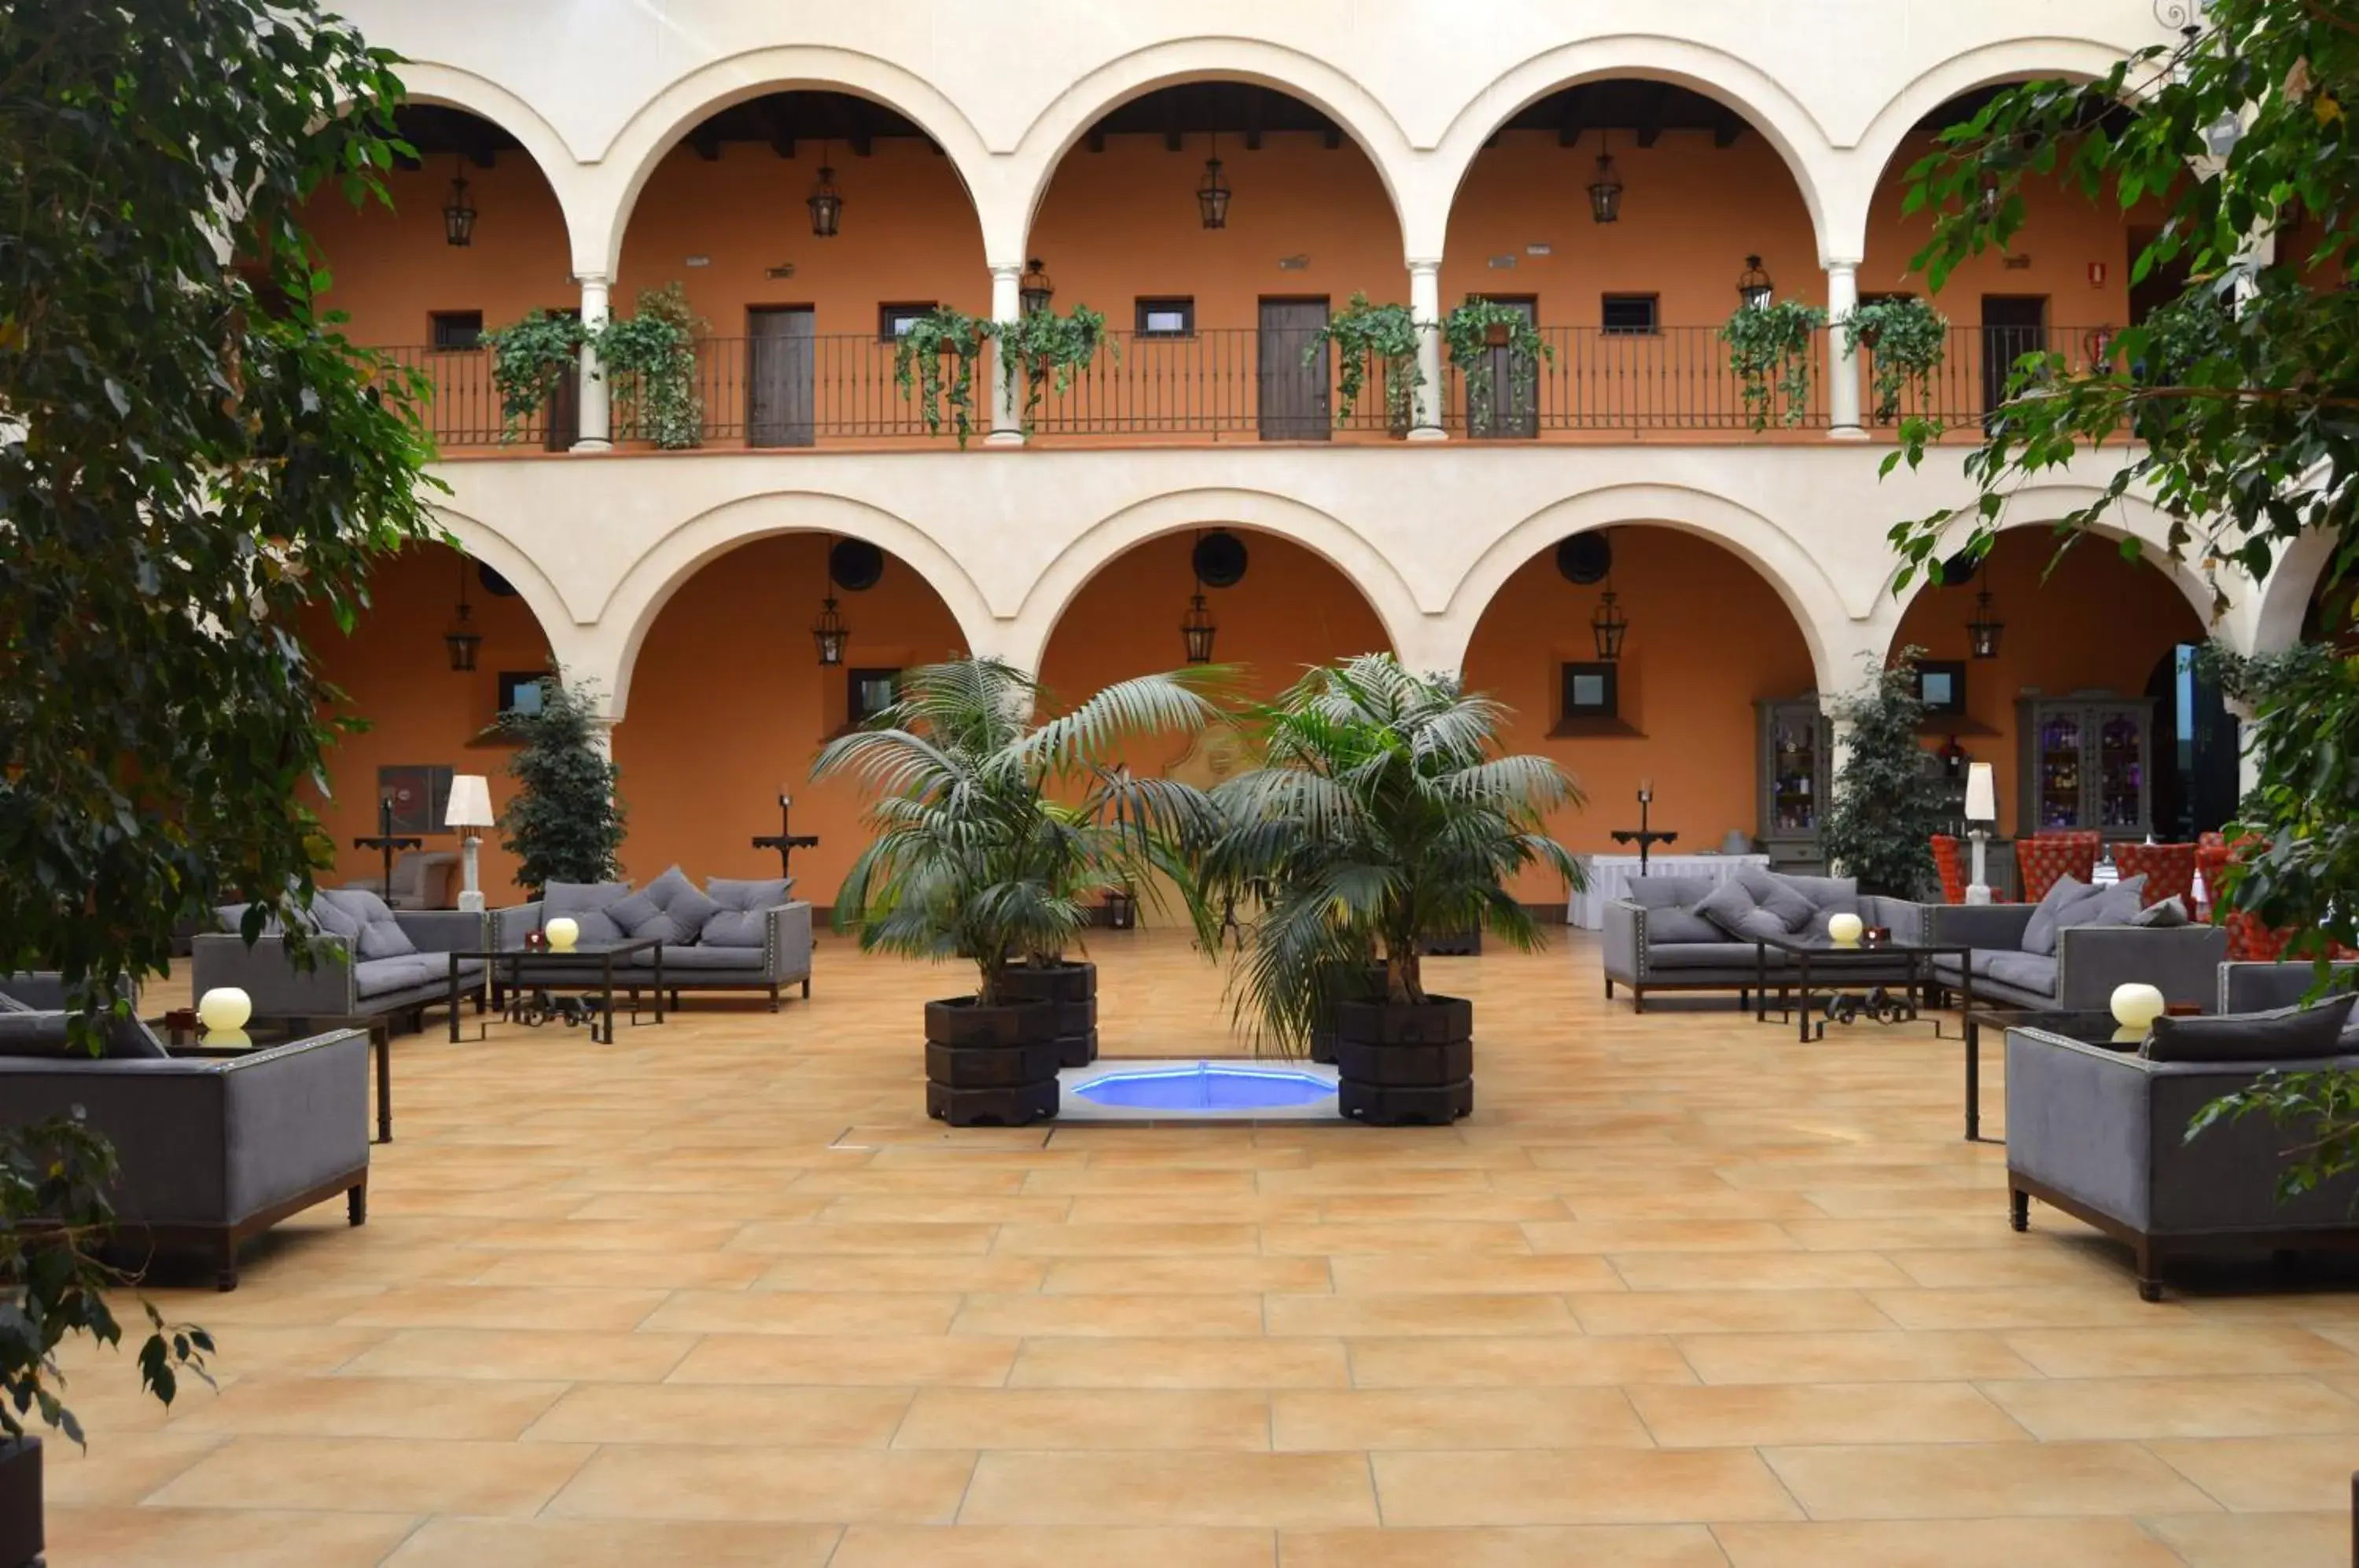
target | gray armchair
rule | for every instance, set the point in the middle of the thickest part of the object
(2247, 986)
(340, 985)
(213, 1150)
(2101, 1135)
(2089, 961)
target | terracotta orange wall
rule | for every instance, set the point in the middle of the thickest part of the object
(2097, 621)
(1691, 213)
(1708, 635)
(396, 674)
(729, 701)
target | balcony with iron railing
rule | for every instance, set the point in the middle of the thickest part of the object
(1224, 384)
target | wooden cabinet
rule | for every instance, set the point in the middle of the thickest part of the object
(2086, 763)
(1794, 773)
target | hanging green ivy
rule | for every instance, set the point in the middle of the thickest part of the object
(650, 361)
(1041, 347)
(1769, 349)
(530, 360)
(1366, 336)
(1474, 330)
(942, 333)
(1906, 340)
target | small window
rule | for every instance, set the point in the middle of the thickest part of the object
(1941, 685)
(1631, 313)
(1590, 691)
(894, 321)
(1167, 318)
(870, 693)
(453, 331)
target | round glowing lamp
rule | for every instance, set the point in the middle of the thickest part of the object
(2135, 1006)
(224, 1009)
(1845, 929)
(563, 934)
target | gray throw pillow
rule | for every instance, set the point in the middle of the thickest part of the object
(735, 928)
(686, 904)
(762, 893)
(2039, 936)
(1780, 897)
(1734, 908)
(333, 914)
(9, 1003)
(2288, 1034)
(2119, 905)
(1670, 903)
(577, 899)
(379, 934)
(2171, 911)
(633, 910)
(1827, 893)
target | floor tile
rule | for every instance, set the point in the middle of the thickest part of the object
(1723, 1312)
(2248, 1540)
(800, 1312)
(1792, 1271)
(1954, 1543)
(2259, 1474)
(790, 1485)
(1757, 1415)
(1179, 1363)
(1509, 1362)
(1586, 1486)
(2055, 1408)
(2182, 1352)
(2025, 1306)
(1974, 1481)
(519, 1353)
(1383, 1316)
(1850, 1357)
(1087, 1418)
(1374, 1419)
(1530, 1546)
(120, 1467)
(1182, 1276)
(493, 1306)
(1261, 1490)
(272, 1406)
(908, 1271)
(612, 1543)
(914, 1360)
(1129, 1316)
(763, 1415)
(1050, 1546)
(1381, 1274)
(376, 1475)
(216, 1538)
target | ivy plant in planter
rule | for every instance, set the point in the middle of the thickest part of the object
(940, 334)
(1769, 349)
(1041, 347)
(650, 359)
(1904, 340)
(1474, 330)
(530, 360)
(1366, 336)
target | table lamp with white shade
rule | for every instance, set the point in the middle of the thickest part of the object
(1982, 807)
(470, 808)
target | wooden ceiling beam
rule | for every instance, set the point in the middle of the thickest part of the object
(1568, 118)
(1650, 118)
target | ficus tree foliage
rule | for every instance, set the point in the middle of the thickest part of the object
(567, 819)
(1880, 826)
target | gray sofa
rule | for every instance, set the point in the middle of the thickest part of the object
(2084, 961)
(212, 1149)
(1654, 939)
(730, 935)
(2251, 987)
(2100, 1134)
(370, 962)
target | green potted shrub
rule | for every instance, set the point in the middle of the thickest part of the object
(933, 363)
(531, 359)
(1380, 816)
(1769, 349)
(649, 358)
(994, 834)
(1906, 339)
(1369, 337)
(1041, 348)
(1879, 829)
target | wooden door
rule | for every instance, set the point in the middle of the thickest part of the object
(1294, 370)
(560, 416)
(2012, 326)
(1511, 404)
(781, 364)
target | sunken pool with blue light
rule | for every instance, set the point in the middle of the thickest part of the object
(1200, 1086)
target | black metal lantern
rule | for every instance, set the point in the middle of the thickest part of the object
(829, 633)
(1605, 188)
(1608, 627)
(458, 214)
(1196, 629)
(1983, 631)
(2185, 16)
(1036, 290)
(826, 202)
(462, 640)
(1753, 285)
(1212, 192)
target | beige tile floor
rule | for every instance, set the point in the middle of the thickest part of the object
(1679, 1293)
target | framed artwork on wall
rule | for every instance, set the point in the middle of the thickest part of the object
(420, 793)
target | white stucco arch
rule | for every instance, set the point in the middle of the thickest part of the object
(1769, 108)
(1324, 535)
(621, 170)
(630, 610)
(1852, 180)
(1060, 124)
(2282, 605)
(1780, 559)
(486, 544)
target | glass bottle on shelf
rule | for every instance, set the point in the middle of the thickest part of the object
(2120, 772)
(2059, 772)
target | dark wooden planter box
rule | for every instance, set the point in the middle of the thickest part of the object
(1072, 990)
(20, 1503)
(1401, 1063)
(994, 1066)
(1458, 944)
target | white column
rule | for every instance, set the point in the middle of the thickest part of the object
(1842, 366)
(1425, 308)
(1006, 400)
(596, 424)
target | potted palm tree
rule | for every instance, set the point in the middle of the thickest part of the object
(994, 834)
(1382, 816)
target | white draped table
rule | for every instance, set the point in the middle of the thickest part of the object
(1609, 877)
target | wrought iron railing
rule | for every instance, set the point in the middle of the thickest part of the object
(1246, 384)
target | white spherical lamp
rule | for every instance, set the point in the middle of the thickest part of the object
(2136, 1005)
(1846, 930)
(224, 1009)
(563, 934)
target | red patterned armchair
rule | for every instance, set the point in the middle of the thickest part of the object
(2043, 860)
(1952, 869)
(2168, 870)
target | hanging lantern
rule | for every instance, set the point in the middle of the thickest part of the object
(1608, 627)
(1196, 631)
(829, 633)
(462, 640)
(458, 214)
(826, 202)
(1036, 290)
(1753, 284)
(1983, 631)
(1213, 194)
(1606, 190)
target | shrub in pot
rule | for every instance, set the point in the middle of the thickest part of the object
(994, 834)
(1382, 817)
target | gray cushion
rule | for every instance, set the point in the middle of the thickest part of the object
(706, 957)
(736, 929)
(633, 910)
(2119, 905)
(762, 893)
(1752, 904)
(1670, 903)
(2288, 1034)
(2024, 971)
(330, 914)
(577, 899)
(9, 1003)
(1721, 954)
(2171, 911)
(382, 976)
(45, 1034)
(2068, 893)
(687, 905)
(1823, 892)
(380, 935)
